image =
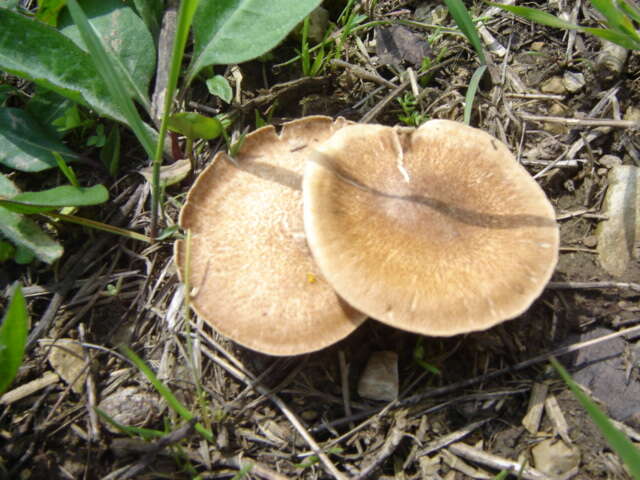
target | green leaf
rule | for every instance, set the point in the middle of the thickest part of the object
(219, 86)
(194, 125)
(168, 396)
(112, 76)
(39, 53)
(48, 11)
(617, 440)
(537, 16)
(7, 251)
(54, 198)
(66, 170)
(130, 44)
(47, 108)
(470, 96)
(631, 10)
(614, 37)
(110, 153)
(234, 31)
(462, 18)
(151, 13)
(616, 19)
(25, 145)
(13, 337)
(24, 232)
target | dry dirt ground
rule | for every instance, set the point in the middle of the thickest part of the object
(108, 290)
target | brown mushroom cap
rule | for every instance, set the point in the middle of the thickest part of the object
(436, 230)
(252, 273)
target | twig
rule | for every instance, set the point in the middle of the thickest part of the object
(154, 449)
(390, 444)
(363, 73)
(448, 389)
(593, 285)
(582, 122)
(450, 438)
(240, 462)
(293, 419)
(375, 111)
(29, 388)
(499, 463)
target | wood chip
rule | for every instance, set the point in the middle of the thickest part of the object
(29, 388)
(553, 411)
(531, 420)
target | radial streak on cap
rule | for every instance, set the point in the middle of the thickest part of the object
(251, 270)
(468, 241)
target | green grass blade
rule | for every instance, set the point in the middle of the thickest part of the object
(110, 74)
(616, 19)
(617, 440)
(462, 18)
(185, 19)
(614, 37)
(146, 433)
(630, 10)
(13, 337)
(470, 96)
(162, 389)
(66, 169)
(105, 227)
(537, 16)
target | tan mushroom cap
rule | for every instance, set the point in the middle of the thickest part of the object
(437, 230)
(252, 275)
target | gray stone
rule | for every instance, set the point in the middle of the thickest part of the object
(617, 235)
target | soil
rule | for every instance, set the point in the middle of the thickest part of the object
(107, 291)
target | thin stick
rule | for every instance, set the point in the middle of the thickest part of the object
(375, 111)
(333, 470)
(593, 285)
(582, 122)
(499, 463)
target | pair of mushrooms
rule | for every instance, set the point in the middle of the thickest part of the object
(306, 232)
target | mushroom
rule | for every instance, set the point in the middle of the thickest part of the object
(436, 230)
(252, 275)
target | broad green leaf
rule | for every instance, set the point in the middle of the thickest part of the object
(7, 251)
(462, 18)
(7, 188)
(194, 125)
(616, 439)
(39, 53)
(112, 76)
(13, 337)
(151, 13)
(130, 45)
(54, 198)
(48, 11)
(234, 31)
(537, 16)
(47, 108)
(25, 145)
(219, 86)
(24, 232)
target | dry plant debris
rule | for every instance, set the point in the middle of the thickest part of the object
(565, 140)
